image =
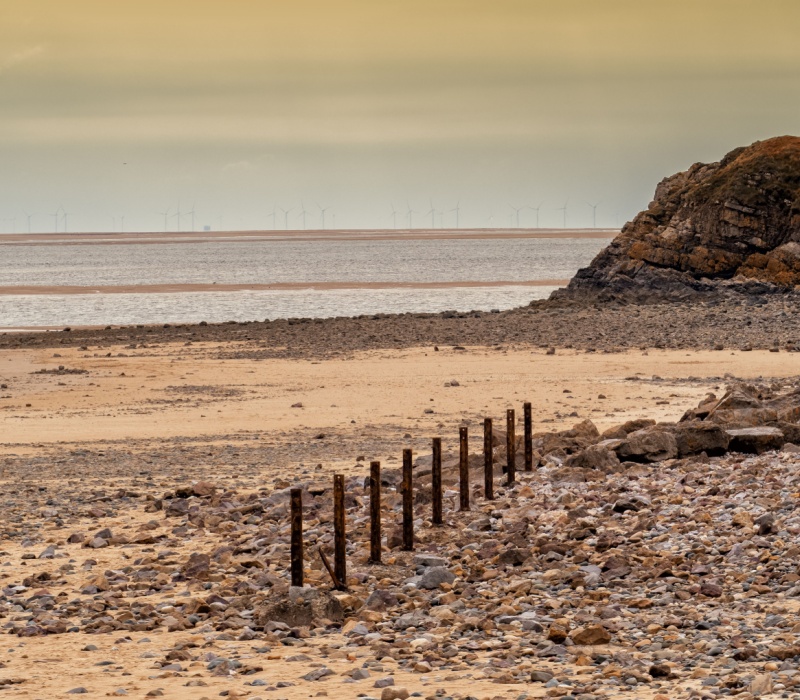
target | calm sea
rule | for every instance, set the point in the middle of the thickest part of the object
(268, 262)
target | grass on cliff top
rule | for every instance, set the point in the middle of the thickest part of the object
(766, 173)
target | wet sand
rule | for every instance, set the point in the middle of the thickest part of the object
(281, 286)
(106, 238)
(119, 393)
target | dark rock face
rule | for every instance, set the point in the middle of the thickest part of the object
(731, 226)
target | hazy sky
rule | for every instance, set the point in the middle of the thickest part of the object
(112, 108)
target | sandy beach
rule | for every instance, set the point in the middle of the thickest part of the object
(80, 424)
(177, 391)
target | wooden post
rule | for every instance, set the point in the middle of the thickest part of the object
(408, 502)
(297, 536)
(436, 481)
(339, 535)
(463, 468)
(528, 437)
(511, 447)
(488, 467)
(375, 512)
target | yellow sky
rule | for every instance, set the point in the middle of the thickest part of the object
(356, 101)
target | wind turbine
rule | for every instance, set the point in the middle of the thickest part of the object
(594, 212)
(55, 216)
(394, 215)
(65, 214)
(273, 214)
(178, 215)
(165, 214)
(536, 209)
(432, 212)
(122, 224)
(410, 213)
(191, 213)
(303, 214)
(322, 211)
(491, 218)
(113, 223)
(564, 212)
(516, 211)
(286, 217)
(29, 221)
(457, 210)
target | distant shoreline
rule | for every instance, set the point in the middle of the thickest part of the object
(154, 238)
(29, 290)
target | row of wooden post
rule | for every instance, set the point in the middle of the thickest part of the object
(339, 570)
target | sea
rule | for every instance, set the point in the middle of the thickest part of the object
(477, 273)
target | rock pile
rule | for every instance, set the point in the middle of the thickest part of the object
(749, 419)
(727, 226)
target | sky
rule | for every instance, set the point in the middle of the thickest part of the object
(238, 109)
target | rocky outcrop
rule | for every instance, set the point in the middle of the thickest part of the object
(731, 226)
(748, 419)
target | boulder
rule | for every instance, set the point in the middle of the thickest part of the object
(577, 438)
(599, 456)
(197, 567)
(622, 431)
(791, 431)
(649, 445)
(591, 634)
(694, 437)
(204, 489)
(761, 685)
(435, 576)
(756, 440)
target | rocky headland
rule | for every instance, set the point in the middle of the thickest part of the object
(726, 227)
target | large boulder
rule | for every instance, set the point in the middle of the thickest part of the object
(571, 441)
(599, 456)
(742, 406)
(694, 437)
(756, 440)
(730, 226)
(648, 445)
(621, 431)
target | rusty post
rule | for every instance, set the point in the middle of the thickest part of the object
(339, 535)
(436, 481)
(511, 447)
(488, 467)
(463, 468)
(375, 512)
(297, 536)
(408, 502)
(528, 437)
